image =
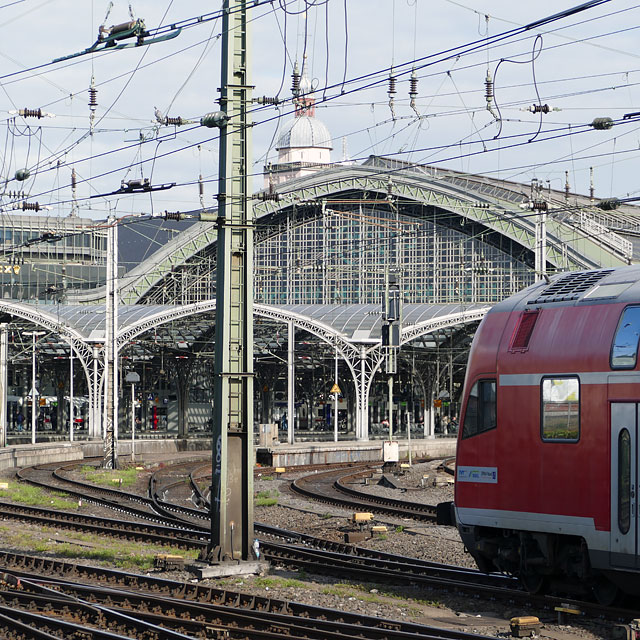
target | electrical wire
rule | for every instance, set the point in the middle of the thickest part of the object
(369, 74)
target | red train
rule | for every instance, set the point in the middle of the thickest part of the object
(547, 461)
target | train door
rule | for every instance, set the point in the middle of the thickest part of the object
(624, 484)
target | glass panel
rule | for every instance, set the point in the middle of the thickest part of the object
(625, 343)
(488, 420)
(561, 409)
(624, 481)
(480, 414)
(470, 427)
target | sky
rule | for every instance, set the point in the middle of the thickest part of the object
(583, 66)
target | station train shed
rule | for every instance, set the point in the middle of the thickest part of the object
(327, 248)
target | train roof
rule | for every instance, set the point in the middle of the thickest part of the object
(599, 286)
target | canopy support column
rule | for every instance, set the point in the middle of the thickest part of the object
(291, 382)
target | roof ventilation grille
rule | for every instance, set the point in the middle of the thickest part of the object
(570, 287)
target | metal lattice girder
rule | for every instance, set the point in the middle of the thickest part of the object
(151, 271)
(453, 320)
(570, 244)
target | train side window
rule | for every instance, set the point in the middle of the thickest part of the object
(480, 414)
(561, 409)
(624, 481)
(624, 351)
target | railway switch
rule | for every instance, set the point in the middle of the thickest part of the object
(524, 626)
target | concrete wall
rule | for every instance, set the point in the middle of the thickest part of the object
(332, 453)
(26, 455)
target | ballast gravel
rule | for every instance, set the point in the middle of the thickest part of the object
(423, 482)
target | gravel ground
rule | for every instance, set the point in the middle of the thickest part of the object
(421, 540)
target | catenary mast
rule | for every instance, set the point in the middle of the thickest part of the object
(232, 472)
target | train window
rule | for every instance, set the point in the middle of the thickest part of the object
(561, 409)
(625, 343)
(480, 414)
(624, 481)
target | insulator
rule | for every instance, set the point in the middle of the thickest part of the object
(540, 108)
(93, 97)
(30, 206)
(608, 205)
(172, 215)
(123, 26)
(268, 100)
(215, 119)
(200, 186)
(31, 113)
(22, 174)
(539, 205)
(175, 121)
(488, 87)
(392, 86)
(74, 178)
(266, 196)
(413, 85)
(602, 123)
(295, 78)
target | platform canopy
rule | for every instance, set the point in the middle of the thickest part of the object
(349, 323)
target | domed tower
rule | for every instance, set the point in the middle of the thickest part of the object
(304, 144)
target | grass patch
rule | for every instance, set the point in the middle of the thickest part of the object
(266, 498)
(266, 478)
(399, 528)
(118, 553)
(363, 592)
(273, 583)
(36, 497)
(107, 477)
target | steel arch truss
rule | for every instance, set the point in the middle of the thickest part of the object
(76, 342)
(412, 332)
(363, 360)
(571, 244)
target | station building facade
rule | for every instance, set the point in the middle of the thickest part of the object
(330, 237)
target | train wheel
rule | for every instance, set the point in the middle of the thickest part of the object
(605, 591)
(532, 582)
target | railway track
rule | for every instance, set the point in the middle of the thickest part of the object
(315, 555)
(332, 487)
(180, 608)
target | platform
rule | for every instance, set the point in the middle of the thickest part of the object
(278, 455)
(304, 453)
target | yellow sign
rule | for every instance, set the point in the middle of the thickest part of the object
(10, 268)
(437, 403)
(335, 389)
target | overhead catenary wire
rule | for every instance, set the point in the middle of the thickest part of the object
(186, 147)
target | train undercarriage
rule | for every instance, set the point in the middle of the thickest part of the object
(546, 562)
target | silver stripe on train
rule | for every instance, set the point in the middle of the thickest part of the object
(590, 377)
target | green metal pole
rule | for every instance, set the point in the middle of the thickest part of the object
(232, 472)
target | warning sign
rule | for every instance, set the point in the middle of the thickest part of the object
(335, 389)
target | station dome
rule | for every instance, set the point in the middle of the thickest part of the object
(304, 132)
